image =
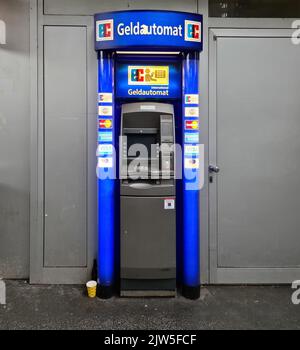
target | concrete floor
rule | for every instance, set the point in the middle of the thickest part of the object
(220, 307)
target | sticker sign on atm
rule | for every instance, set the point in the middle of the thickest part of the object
(191, 111)
(105, 111)
(105, 123)
(192, 99)
(105, 97)
(169, 203)
(105, 162)
(148, 75)
(191, 137)
(105, 136)
(191, 124)
(104, 149)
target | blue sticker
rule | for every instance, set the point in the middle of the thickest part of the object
(105, 136)
(191, 137)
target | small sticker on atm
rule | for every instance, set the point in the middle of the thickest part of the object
(191, 163)
(105, 123)
(191, 124)
(169, 203)
(104, 149)
(105, 97)
(105, 136)
(191, 137)
(191, 99)
(191, 111)
(105, 111)
(105, 162)
(191, 150)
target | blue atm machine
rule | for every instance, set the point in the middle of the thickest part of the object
(148, 153)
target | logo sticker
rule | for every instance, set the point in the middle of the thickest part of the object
(191, 163)
(192, 150)
(105, 111)
(192, 31)
(105, 124)
(169, 203)
(191, 99)
(104, 149)
(148, 75)
(105, 136)
(191, 111)
(105, 97)
(191, 124)
(191, 137)
(105, 162)
(105, 30)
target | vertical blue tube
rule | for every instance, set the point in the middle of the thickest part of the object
(191, 224)
(106, 176)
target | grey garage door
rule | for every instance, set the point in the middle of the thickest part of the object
(255, 141)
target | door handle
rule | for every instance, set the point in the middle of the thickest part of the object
(214, 169)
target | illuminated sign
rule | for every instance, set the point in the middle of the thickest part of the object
(148, 75)
(148, 81)
(143, 29)
(192, 31)
(105, 30)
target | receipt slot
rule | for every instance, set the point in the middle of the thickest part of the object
(148, 197)
(148, 109)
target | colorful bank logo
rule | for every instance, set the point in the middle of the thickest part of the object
(105, 30)
(192, 31)
(191, 125)
(148, 75)
(105, 97)
(191, 99)
(105, 124)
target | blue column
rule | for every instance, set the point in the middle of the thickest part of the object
(191, 212)
(106, 168)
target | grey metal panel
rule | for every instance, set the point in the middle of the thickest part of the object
(147, 244)
(65, 80)
(254, 124)
(257, 275)
(90, 7)
(14, 141)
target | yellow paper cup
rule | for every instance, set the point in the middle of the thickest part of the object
(91, 288)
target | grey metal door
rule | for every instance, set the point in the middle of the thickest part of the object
(63, 239)
(254, 140)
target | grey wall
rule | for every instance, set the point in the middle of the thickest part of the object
(14, 140)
